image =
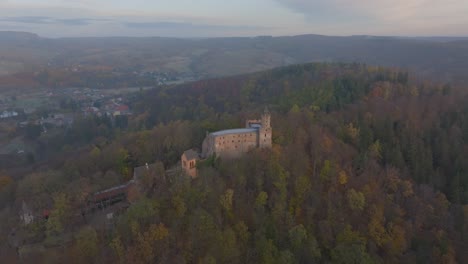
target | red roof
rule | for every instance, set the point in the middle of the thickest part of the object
(112, 192)
(122, 108)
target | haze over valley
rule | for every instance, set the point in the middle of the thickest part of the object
(24, 54)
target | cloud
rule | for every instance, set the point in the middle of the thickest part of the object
(389, 17)
(187, 26)
(75, 21)
(61, 19)
(332, 17)
(187, 29)
(64, 21)
(49, 20)
(27, 19)
(382, 10)
(155, 24)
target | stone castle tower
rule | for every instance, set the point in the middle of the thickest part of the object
(264, 139)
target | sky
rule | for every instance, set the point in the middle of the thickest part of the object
(218, 18)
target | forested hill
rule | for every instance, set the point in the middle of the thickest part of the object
(322, 87)
(367, 166)
(420, 128)
(30, 60)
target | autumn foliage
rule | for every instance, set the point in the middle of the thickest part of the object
(368, 166)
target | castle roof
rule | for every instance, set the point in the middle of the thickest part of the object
(108, 193)
(256, 126)
(234, 131)
(191, 154)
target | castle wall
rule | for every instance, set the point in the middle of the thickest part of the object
(208, 146)
(234, 145)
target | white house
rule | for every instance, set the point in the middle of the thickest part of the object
(8, 114)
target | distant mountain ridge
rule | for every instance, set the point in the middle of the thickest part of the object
(439, 58)
(17, 36)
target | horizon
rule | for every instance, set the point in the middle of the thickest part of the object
(253, 36)
(210, 18)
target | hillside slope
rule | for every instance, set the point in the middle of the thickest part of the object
(367, 167)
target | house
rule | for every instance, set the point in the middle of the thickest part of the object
(91, 110)
(144, 177)
(8, 114)
(58, 120)
(111, 196)
(189, 161)
(121, 110)
(26, 214)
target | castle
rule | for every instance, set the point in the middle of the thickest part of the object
(231, 143)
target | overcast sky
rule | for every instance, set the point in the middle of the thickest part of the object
(212, 18)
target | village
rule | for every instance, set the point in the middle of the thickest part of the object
(43, 110)
(66, 101)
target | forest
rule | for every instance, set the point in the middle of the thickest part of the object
(368, 165)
